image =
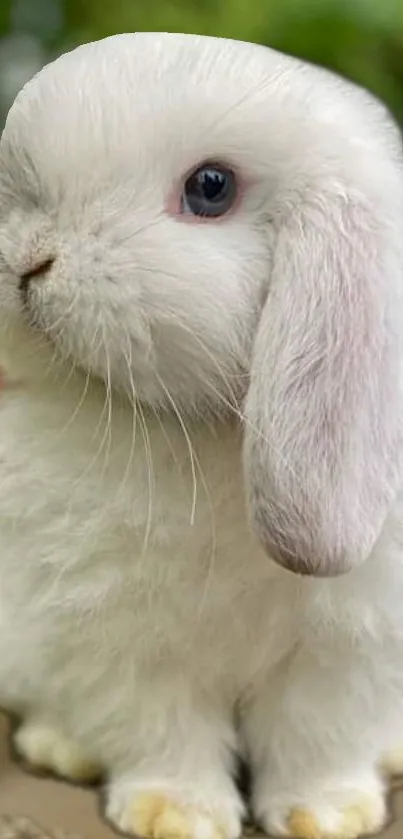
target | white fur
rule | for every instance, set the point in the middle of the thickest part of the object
(140, 618)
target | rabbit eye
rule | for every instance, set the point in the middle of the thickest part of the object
(209, 192)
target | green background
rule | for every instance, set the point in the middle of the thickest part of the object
(361, 39)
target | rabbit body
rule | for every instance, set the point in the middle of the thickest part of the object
(163, 645)
(145, 631)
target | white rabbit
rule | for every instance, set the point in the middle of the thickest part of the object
(201, 261)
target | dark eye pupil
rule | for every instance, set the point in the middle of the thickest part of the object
(209, 192)
(211, 183)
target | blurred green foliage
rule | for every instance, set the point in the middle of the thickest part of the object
(361, 39)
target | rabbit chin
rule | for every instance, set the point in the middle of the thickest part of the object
(33, 351)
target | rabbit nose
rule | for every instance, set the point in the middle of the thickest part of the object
(38, 271)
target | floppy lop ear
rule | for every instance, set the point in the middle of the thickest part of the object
(323, 411)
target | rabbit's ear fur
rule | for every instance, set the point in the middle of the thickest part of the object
(323, 412)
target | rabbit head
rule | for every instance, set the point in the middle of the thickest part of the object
(208, 224)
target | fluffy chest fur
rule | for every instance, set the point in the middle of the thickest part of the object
(125, 538)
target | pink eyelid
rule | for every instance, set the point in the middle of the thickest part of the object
(173, 205)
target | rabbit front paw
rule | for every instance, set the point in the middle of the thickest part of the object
(344, 816)
(47, 749)
(153, 813)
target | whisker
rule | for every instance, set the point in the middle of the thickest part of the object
(255, 89)
(132, 234)
(150, 469)
(133, 402)
(189, 445)
(109, 397)
(77, 409)
(195, 463)
(232, 404)
(167, 438)
(105, 414)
